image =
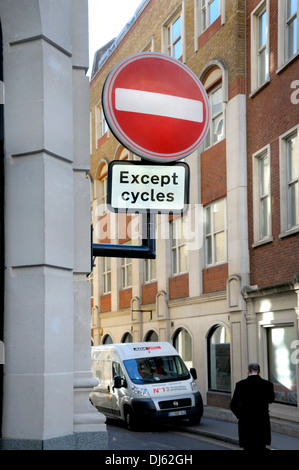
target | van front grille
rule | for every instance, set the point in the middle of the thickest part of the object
(174, 404)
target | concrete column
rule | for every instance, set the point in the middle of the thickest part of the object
(236, 160)
(47, 237)
(89, 424)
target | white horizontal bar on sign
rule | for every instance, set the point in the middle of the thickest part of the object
(158, 104)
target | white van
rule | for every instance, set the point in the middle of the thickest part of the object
(144, 382)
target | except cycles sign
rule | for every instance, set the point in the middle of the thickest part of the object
(156, 107)
(136, 187)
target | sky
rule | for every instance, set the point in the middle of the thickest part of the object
(106, 20)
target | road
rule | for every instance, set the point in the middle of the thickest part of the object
(164, 439)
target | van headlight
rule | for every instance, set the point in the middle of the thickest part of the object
(140, 391)
(194, 387)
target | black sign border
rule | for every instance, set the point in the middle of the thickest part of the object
(143, 210)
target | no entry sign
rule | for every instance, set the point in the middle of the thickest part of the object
(156, 106)
(137, 187)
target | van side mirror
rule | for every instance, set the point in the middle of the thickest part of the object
(193, 373)
(119, 382)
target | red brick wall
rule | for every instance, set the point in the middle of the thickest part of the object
(125, 297)
(179, 286)
(204, 38)
(214, 278)
(213, 173)
(149, 293)
(106, 303)
(270, 113)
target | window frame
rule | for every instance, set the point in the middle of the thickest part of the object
(177, 243)
(267, 331)
(106, 275)
(100, 123)
(101, 189)
(256, 49)
(213, 233)
(198, 20)
(205, 12)
(286, 228)
(283, 57)
(212, 373)
(258, 234)
(170, 20)
(209, 139)
(126, 265)
(150, 266)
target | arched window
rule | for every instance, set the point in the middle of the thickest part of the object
(127, 338)
(219, 359)
(107, 339)
(151, 336)
(214, 77)
(213, 86)
(182, 342)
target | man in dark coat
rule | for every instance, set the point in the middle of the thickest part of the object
(250, 404)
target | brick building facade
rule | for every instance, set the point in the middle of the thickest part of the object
(201, 291)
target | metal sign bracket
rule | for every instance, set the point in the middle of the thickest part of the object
(147, 249)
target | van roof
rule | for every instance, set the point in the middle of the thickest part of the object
(141, 349)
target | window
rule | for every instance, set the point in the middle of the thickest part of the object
(173, 33)
(106, 275)
(150, 270)
(102, 196)
(152, 370)
(127, 338)
(264, 195)
(219, 359)
(291, 28)
(174, 39)
(282, 371)
(293, 179)
(262, 48)
(289, 182)
(210, 10)
(259, 46)
(126, 273)
(215, 232)
(101, 190)
(261, 195)
(101, 123)
(206, 12)
(216, 131)
(151, 336)
(107, 339)
(288, 37)
(183, 344)
(178, 246)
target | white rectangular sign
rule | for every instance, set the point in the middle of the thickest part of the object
(139, 187)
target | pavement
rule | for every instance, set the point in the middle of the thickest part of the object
(215, 425)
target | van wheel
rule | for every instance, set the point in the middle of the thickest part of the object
(194, 420)
(130, 420)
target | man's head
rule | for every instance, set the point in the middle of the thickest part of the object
(254, 369)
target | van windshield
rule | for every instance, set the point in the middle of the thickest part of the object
(156, 369)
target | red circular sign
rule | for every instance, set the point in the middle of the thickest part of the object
(156, 106)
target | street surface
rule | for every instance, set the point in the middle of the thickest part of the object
(165, 438)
